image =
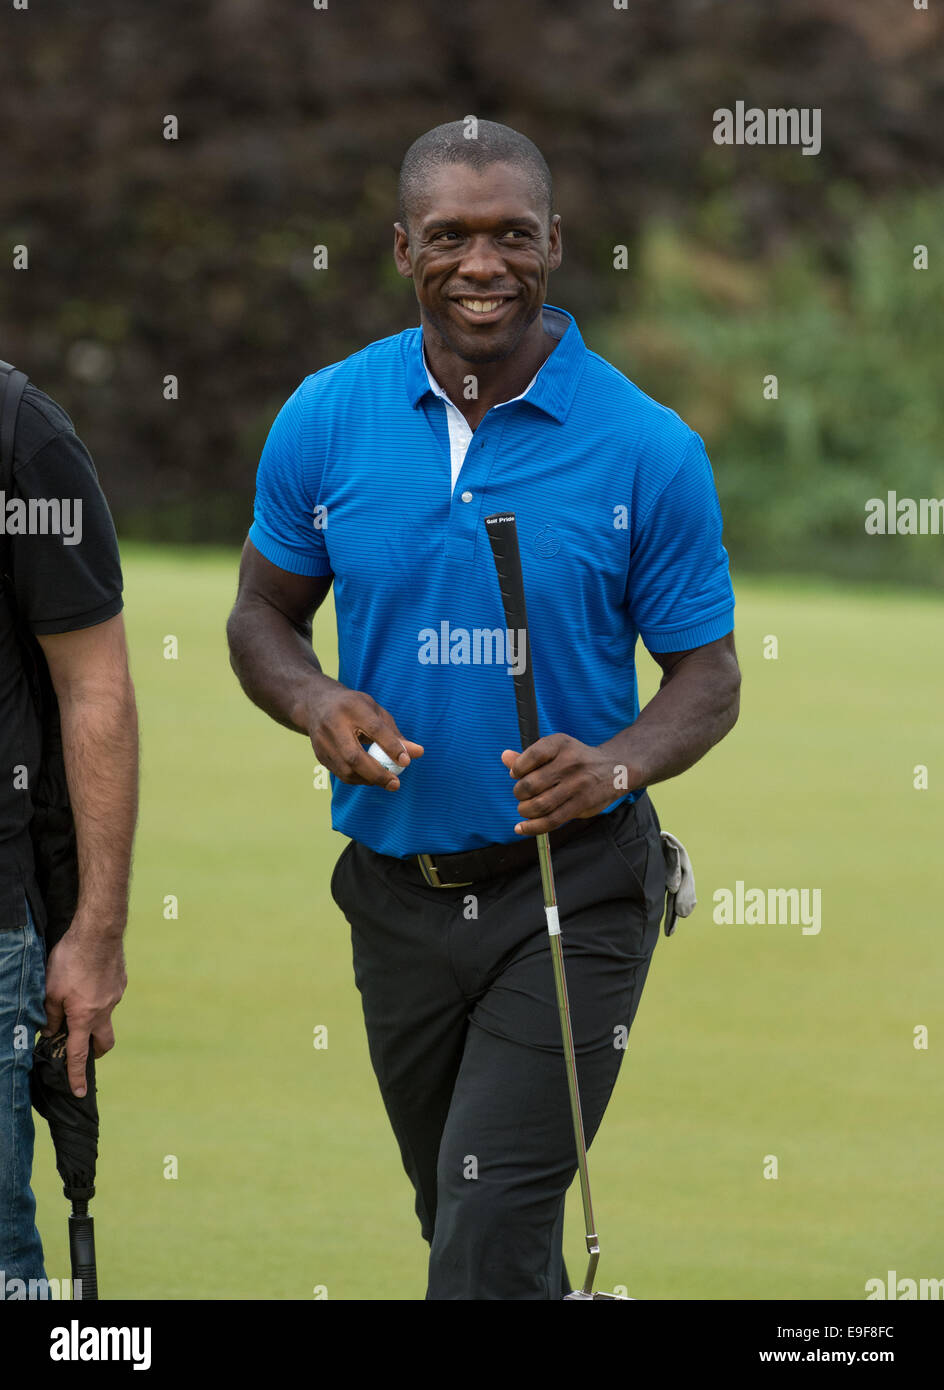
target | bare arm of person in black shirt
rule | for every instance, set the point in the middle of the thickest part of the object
(85, 974)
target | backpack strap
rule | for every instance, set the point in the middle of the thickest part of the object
(12, 385)
(52, 828)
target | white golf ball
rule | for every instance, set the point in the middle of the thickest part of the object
(384, 759)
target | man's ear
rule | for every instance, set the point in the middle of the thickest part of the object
(401, 250)
(556, 251)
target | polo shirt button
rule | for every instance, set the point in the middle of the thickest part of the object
(467, 497)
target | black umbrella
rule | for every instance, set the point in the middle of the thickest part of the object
(73, 1120)
(73, 1124)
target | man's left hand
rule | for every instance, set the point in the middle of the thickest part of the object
(562, 779)
(85, 979)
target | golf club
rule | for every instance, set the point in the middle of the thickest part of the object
(503, 536)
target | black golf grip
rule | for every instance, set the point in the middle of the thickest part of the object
(503, 536)
(82, 1255)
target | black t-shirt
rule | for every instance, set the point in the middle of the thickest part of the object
(65, 579)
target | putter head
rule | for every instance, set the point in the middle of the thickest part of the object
(611, 1297)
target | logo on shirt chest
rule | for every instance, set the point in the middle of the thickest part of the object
(546, 543)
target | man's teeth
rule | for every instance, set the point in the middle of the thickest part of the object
(480, 306)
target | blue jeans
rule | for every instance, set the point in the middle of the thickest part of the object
(22, 994)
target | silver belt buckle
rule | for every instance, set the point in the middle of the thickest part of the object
(431, 873)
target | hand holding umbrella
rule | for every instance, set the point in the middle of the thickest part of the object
(73, 1124)
(59, 1070)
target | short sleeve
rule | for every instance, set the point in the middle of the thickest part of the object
(679, 590)
(288, 520)
(65, 563)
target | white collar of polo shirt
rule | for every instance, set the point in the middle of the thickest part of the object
(460, 432)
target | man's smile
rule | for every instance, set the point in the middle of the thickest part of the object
(479, 310)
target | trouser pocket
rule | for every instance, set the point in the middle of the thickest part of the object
(635, 843)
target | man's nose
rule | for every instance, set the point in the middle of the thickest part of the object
(482, 259)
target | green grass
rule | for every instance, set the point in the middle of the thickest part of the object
(750, 1040)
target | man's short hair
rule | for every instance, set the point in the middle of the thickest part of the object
(451, 144)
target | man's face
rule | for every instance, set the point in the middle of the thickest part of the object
(479, 252)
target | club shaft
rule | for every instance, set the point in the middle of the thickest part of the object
(570, 1056)
(503, 539)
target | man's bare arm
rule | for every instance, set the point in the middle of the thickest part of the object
(85, 974)
(269, 633)
(697, 703)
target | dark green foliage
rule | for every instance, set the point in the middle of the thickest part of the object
(853, 334)
(193, 257)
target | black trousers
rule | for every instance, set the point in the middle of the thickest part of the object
(458, 994)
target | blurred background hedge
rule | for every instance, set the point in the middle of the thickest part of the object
(193, 257)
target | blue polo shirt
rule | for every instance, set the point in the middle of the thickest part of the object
(620, 534)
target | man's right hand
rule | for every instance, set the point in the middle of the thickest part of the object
(269, 634)
(338, 718)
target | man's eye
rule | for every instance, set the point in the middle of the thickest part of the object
(515, 232)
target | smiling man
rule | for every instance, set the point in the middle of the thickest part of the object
(376, 477)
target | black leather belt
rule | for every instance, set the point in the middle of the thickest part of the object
(461, 870)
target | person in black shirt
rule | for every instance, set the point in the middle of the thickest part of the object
(59, 547)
